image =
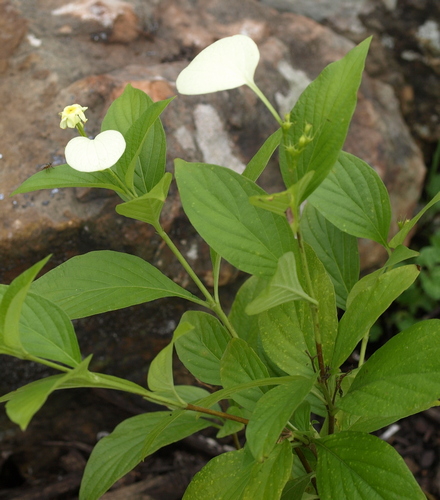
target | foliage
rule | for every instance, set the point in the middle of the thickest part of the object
(277, 361)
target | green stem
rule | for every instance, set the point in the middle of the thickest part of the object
(268, 105)
(46, 362)
(211, 303)
(125, 188)
(363, 349)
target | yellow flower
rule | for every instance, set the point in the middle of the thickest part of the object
(72, 115)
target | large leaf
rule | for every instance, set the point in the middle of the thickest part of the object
(201, 348)
(355, 200)
(367, 305)
(358, 466)
(271, 414)
(327, 105)
(130, 443)
(104, 281)
(240, 364)
(216, 200)
(10, 311)
(338, 251)
(234, 475)
(401, 378)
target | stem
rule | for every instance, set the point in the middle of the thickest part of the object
(363, 349)
(306, 465)
(266, 102)
(185, 265)
(215, 413)
(46, 362)
(210, 302)
(127, 191)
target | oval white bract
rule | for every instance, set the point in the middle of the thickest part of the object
(226, 64)
(92, 155)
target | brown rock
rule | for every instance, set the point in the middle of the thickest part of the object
(13, 28)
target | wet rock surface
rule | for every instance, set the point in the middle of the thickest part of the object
(60, 52)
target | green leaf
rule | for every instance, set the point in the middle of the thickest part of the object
(295, 488)
(23, 403)
(358, 466)
(130, 443)
(366, 307)
(122, 114)
(327, 104)
(104, 281)
(401, 378)
(271, 414)
(283, 341)
(148, 207)
(135, 138)
(216, 200)
(240, 364)
(399, 238)
(355, 200)
(324, 293)
(231, 426)
(10, 311)
(258, 163)
(283, 287)
(400, 254)
(160, 374)
(246, 326)
(62, 176)
(234, 476)
(202, 347)
(46, 331)
(338, 251)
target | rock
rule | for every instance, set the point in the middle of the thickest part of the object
(13, 28)
(225, 127)
(105, 20)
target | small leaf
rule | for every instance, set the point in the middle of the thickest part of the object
(240, 364)
(271, 414)
(148, 207)
(259, 161)
(283, 287)
(104, 281)
(11, 308)
(358, 466)
(234, 475)
(355, 200)
(226, 64)
(201, 348)
(283, 341)
(399, 238)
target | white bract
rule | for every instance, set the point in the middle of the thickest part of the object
(92, 155)
(226, 64)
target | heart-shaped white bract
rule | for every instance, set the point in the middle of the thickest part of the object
(226, 64)
(92, 155)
